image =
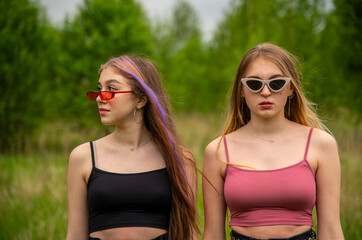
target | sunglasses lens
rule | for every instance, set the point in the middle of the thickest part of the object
(106, 95)
(277, 84)
(92, 95)
(254, 85)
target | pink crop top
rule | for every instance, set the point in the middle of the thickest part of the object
(270, 197)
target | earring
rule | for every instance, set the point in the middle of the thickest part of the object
(134, 115)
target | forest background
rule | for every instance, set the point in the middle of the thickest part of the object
(46, 70)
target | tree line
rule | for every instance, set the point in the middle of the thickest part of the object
(46, 70)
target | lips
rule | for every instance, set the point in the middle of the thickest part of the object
(266, 104)
(103, 111)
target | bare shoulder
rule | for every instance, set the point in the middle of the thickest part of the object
(215, 155)
(323, 149)
(80, 159)
(213, 147)
(323, 140)
(80, 153)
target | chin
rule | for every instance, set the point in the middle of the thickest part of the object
(266, 114)
(105, 122)
(269, 114)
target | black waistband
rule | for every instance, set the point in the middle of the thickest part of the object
(308, 235)
(161, 237)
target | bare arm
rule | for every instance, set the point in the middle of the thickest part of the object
(328, 178)
(213, 194)
(78, 169)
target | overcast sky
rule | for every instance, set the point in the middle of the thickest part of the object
(209, 11)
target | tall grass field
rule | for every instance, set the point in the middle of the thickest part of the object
(33, 191)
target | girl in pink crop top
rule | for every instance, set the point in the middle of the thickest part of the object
(280, 196)
(274, 163)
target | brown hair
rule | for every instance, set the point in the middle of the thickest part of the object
(157, 118)
(301, 110)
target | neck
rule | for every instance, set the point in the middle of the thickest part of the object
(134, 135)
(268, 126)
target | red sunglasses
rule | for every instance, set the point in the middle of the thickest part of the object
(104, 95)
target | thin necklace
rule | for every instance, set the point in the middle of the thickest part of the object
(132, 148)
(273, 139)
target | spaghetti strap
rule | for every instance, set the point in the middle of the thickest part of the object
(307, 147)
(226, 149)
(92, 151)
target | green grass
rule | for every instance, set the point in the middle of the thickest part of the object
(33, 201)
(33, 197)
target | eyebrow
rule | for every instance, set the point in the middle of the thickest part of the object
(274, 76)
(111, 81)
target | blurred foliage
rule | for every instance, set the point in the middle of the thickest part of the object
(26, 55)
(340, 56)
(46, 70)
(180, 55)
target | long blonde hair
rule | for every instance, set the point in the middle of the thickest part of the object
(297, 109)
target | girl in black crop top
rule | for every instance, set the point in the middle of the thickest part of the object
(139, 182)
(268, 168)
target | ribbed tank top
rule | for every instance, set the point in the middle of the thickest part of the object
(270, 197)
(128, 200)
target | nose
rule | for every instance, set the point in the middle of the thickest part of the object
(265, 91)
(98, 99)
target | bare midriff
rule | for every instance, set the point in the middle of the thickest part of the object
(129, 233)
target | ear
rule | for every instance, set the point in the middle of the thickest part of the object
(141, 102)
(291, 92)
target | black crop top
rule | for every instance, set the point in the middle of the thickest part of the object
(128, 200)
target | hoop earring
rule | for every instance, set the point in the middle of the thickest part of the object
(289, 100)
(134, 115)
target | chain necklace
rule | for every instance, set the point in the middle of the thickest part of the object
(268, 139)
(132, 148)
